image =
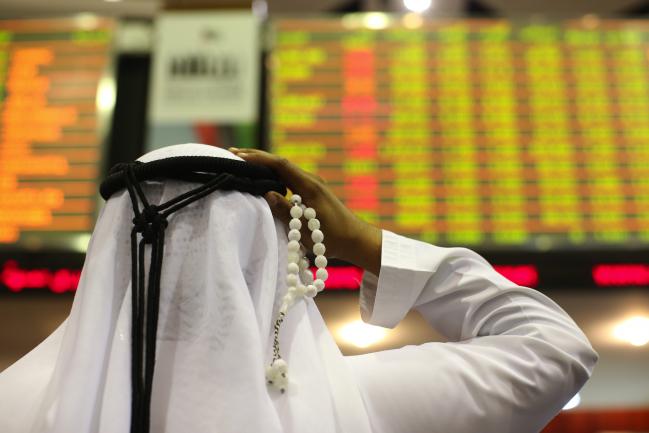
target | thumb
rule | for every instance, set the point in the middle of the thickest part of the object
(279, 206)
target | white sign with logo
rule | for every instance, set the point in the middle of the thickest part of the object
(206, 67)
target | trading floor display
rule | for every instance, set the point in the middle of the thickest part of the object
(51, 92)
(478, 132)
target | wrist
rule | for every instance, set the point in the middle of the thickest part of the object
(362, 247)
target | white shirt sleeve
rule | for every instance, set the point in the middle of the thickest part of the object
(514, 357)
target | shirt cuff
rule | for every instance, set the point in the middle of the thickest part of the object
(385, 300)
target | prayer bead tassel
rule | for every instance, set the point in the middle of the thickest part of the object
(299, 279)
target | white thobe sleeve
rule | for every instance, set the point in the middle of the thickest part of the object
(514, 357)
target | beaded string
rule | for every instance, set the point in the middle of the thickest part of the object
(298, 288)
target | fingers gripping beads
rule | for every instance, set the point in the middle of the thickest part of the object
(299, 279)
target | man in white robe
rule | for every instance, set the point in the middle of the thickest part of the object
(513, 360)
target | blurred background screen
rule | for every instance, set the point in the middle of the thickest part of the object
(489, 133)
(53, 86)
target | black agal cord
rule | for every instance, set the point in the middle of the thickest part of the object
(150, 222)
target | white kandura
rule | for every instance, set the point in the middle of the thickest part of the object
(512, 359)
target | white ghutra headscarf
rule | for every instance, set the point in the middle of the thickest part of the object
(222, 281)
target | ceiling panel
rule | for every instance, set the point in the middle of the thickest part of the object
(39, 8)
(27, 8)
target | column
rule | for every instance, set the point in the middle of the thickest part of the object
(550, 151)
(603, 192)
(499, 140)
(295, 106)
(26, 104)
(360, 135)
(407, 143)
(628, 67)
(455, 122)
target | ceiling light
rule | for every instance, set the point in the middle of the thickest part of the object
(352, 21)
(590, 21)
(573, 403)
(360, 334)
(412, 21)
(86, 20)
(634, 331)
(106, 94)
(260, 8)
(80, 242)
(418, 6)
(376, 20)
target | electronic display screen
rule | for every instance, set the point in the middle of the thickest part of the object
(478, 132)
(51, 96)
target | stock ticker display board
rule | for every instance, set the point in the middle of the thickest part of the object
(472, 132)
(50, 145)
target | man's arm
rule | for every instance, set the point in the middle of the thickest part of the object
(514, 360)
(515, 357)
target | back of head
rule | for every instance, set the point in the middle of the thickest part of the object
(221, 283)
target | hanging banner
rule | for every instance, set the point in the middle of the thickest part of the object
(206, 67)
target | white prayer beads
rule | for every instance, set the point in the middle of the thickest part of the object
(307, 276)
(294, 246)
(309, 213)
(319, 249)
(319, 284)
(296, 211)
(299, 279)
(321, 261)
(294, 235)
(317, 236)
(276, 374)
(291, 280)
(295, 224)
(293, 268)
(322, 274)
(314, 224)
(299, 266)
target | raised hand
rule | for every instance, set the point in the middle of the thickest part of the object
(347, 237)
